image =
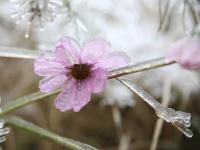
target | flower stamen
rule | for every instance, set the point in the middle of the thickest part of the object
(80, 71)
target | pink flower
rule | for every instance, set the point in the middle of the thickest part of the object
(186, 52)
(79, 71)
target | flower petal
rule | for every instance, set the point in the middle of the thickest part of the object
(48, 67)
(83, 95)
(67, 51)
(93, 50)
(175, 50)
(186, 52)
(98, 80)
(113, 60)
(66, 98)
(49, 84)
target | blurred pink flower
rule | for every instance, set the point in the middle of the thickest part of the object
(186, 52)
(79, 71)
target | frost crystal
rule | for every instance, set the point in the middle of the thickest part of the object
(36, 12)
(179, 119)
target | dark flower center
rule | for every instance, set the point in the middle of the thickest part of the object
(80, 71)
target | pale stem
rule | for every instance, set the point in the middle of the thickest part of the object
(177, 118)
(159, 122)
(117, 119)
(125, 141)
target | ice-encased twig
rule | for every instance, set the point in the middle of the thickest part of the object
(13, 52)
(25, 100)
(29, 127)
(3, 131)
(179, 119)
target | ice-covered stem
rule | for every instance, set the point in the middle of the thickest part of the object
(18, 103)
(25, 100)
(43, 133)
(32, 54)
(146, 65)
(13, 52)
(177, 118)
(3, 131)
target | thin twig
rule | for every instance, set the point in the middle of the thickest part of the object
(117, 119)
(165, 16)
(45, 134)
(123, 137)
(160, 14)
(193, 12)
(125, 141)
(159, 122)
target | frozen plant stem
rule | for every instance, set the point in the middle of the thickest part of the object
(18, 103)
(159, 122)
(3, 131)
(38, 131)
(139, 67)
(32, 54)
(12, 52)
(179, 119)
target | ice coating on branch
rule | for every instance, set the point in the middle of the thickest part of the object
(177, 118)
(3, 131)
